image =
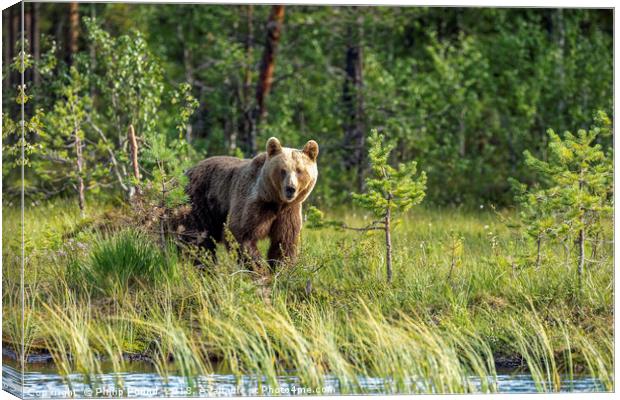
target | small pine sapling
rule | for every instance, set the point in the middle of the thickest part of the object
(577, 192)
(389, 190)
(167, 159)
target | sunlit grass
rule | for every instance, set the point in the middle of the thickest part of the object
(445, 318)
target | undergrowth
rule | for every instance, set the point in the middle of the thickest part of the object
(102, 292)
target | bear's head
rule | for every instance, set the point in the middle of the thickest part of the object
(291, 173)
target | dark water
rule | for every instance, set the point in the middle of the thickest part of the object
(47, 384)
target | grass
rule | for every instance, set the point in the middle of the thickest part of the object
(122, 261)
(451, 312)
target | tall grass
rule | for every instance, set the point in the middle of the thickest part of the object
(123, 260)
(438, 324)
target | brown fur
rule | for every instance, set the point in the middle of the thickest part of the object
(250, 196)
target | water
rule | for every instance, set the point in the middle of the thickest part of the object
(49, 384)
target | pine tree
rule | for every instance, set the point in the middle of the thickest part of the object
(389, 190)
(577, 189)
(167, 158)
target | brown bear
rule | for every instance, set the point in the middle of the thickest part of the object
(256, 199)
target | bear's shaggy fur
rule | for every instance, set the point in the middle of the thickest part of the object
(256, 199)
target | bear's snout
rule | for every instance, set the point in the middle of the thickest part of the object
(290, 192)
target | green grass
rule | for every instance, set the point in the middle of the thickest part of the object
(450, 312)
(122, 261)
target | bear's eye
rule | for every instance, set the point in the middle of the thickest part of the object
(298, 171)
(283, 172)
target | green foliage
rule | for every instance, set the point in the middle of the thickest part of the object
(93, 103)
(11, 130)
(18, 149)
(168, 157)
(462, 91)
(315, 219)
(130, 84)
(390, 189)
(576, 190)
(55, 165)
(128, 78)
(23, 60)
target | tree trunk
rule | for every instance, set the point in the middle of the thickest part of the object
(80, 166)
(267, 66)
(27, 32)
(353, 101)
(92, 52)
(35, 41)
(388, 247)
(247, 122)
(388, 242)
(74, 30)
(559, 37)
(274, 26)
(14, 36)
(6, 45)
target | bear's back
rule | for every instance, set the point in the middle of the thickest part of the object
(213, 180)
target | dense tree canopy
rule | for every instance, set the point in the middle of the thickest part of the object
(464, 91)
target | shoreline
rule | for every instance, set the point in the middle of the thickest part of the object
(502, 362)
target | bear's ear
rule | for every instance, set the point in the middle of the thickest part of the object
(311, 149)
(273, 147)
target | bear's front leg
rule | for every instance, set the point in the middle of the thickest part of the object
(284, 236)
(248, 227)
(251, 253)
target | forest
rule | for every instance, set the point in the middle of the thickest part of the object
(466, 154)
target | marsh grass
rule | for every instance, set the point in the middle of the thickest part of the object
(123, 260)
(438, 324)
